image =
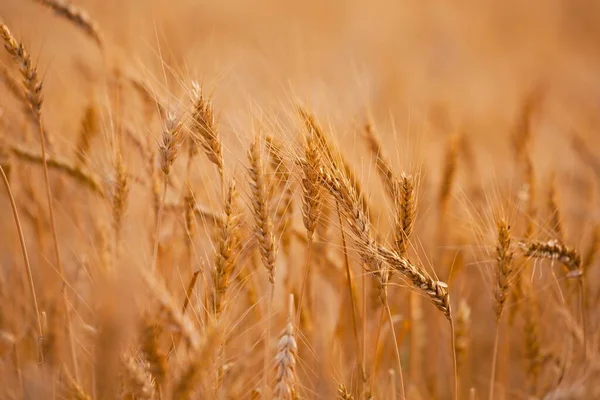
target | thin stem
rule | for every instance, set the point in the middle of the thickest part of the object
(364, 322)
(161, 210)
(398, 359)
(455, 367)
(25, 255)
(56, 248)
(582, 311)
(351, 293)
(494, 358)
(268, 342)
(375, 358)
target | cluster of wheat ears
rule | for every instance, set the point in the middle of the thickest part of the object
(192, 308)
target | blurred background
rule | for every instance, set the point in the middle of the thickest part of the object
(453, 65)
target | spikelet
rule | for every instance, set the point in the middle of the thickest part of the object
(553, 250)
(260, 208)
(172, 138)
(504, 268)
(77, 16)
(285, 360)
(204, 128)
(228, 248)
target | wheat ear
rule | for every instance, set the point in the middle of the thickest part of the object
(228, 248)
(554, 250)
(204, 128)
(260, 207)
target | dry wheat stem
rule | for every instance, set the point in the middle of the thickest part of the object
(351, 294)
(397, 352)
(25, 256)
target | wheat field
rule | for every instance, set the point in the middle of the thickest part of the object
(299, 199)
